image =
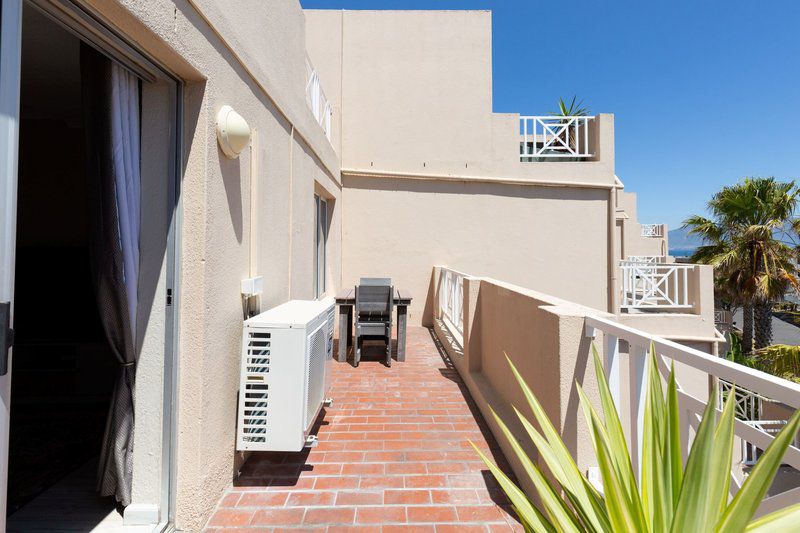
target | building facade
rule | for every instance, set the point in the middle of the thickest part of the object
(374, 151)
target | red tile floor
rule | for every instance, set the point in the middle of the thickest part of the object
(393, 455)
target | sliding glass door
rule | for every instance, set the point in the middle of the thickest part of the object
(10, 43)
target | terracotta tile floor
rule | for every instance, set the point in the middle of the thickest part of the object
(393, 456)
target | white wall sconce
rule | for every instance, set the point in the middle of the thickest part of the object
(233, 132)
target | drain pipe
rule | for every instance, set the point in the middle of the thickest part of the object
(613, 299)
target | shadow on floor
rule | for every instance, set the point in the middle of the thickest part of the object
(72, 504)
(450, 372)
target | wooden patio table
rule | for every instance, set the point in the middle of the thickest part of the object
(346, 300)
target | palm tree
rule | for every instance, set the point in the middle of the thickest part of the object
(753, 266)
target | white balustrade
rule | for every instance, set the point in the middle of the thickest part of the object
(451, 298)
(554, 136)
(646, 258)
(756, 434)
(655, 285)
(315, 97)
(653, 230)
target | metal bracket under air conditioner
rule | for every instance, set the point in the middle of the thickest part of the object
(6, 336)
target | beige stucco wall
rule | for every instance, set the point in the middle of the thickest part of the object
(630, 230)
(544, 238)
(389, 62)
(414, 91)
(251, 58)
(432, 176)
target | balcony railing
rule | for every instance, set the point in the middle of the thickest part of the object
(655, 286)
(542, 336)
(647, 259)
(653, 230)
(451, 299)
(554, 137)
(699, 365)
(317, 102)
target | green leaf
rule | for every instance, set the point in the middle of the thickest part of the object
(622, 514)
(586, 502)
(747, 500)
(554, 506)
(694, 502)
(780, 521)
(528, 514)
(547, 428)
(720, 468)
(557, 457)
(624, 509)
(654, 480)
(673, 455)
(613, 429)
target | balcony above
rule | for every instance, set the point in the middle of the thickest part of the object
(553, 138)
(650, 285)
(655, 231)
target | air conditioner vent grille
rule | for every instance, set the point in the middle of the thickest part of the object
(256, 393)
(316, 372)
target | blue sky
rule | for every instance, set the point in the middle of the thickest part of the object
(704, 92)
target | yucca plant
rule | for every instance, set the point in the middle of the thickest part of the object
(737, 355)
(668, 497)
(572, 109)
(567, 111)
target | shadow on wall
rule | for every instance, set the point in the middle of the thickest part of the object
(231, 170)
(574, 415)
(430, 302)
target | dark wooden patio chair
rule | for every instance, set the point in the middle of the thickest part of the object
(373, 314)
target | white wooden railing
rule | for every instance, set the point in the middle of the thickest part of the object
(651, 259)
(655, 286)
(625, 346)
(315, 97)
(653, 230)
(451, 298)
(552, 136)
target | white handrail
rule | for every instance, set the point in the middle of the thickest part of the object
(646, 259)
(451, 298)
(554, 136)
(631, 346)
(655, 285)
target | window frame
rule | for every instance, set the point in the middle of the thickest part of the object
(320, 245)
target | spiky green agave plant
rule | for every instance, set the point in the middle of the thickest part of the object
(669, 497)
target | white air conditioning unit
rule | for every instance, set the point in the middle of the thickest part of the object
(287, 353)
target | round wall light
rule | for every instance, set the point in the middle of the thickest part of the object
(233, 132)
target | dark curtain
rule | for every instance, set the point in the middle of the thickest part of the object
(116, 458)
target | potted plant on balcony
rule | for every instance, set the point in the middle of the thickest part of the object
(563, 125)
